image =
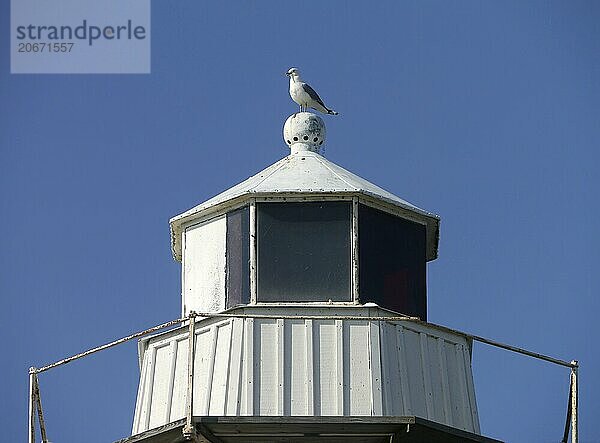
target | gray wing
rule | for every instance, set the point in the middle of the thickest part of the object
(313, 94)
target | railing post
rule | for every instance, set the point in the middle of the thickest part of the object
(31, 405)
(574, 401)
(189, 430)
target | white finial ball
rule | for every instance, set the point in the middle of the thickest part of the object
(304, 131)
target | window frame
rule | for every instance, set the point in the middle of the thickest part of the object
(354, 239)
(353, 299)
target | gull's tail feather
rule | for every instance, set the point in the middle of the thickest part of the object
(322, 108)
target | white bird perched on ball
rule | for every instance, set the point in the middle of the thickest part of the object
(304, 95)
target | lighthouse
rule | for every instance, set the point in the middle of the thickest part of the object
(305, 289)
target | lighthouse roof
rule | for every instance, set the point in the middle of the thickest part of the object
(306, 173)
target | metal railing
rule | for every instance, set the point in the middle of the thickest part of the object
(189, 430)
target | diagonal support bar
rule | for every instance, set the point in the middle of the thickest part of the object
(565, 438)
(40, 413)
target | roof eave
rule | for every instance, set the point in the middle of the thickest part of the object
(203, 211)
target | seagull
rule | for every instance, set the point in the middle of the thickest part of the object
(304, 95)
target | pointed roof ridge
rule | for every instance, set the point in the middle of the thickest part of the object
(326, 163)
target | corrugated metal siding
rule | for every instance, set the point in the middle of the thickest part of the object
(310, 367)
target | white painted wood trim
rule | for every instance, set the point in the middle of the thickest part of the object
(253, 268)
(355, 251)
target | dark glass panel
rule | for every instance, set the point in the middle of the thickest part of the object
(392, 262)
(238, 257)
(303, 251)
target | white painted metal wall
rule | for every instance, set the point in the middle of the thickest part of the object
(287, 367)
(204, 266)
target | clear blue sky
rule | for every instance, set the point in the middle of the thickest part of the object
(487, 113)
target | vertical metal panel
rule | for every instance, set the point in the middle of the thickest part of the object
(171, 380)
(360, 377)
(464, 401)
(280, 365)
(218, 391)
(297, 378)
(149, 388)
(160, 386)
(340, 383)
(249, 380)
(403, 370)
(266, 366)
(414, 366)
(179, 382)
(235, 368)
(390, 370)
(204, 268)
(375, 369)
(310, 370)
(425, 373)
(346, 367)
(445, 385)
(325, 381)
(435, 379)
(470, 389)
(202, 370)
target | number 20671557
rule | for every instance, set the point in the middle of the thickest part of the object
(45, 47)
